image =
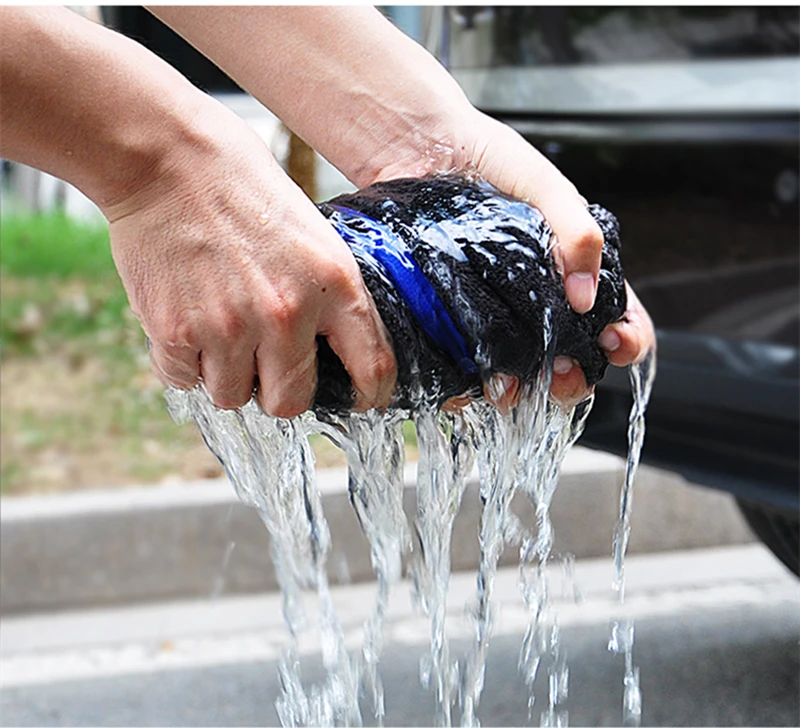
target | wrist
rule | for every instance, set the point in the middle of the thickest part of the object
(441, 141)
(160, 155)
(91, 106)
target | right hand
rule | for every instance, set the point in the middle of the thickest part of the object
(634, 339)
(233, 272)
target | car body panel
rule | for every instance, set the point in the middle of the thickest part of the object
(685, 122)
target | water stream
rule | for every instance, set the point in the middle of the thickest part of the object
(642, 376)
(271, 466)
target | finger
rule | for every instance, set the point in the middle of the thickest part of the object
(628, 341)
(568, 386)
(359, 338)
(176, 366)
(228, 374)
(580, 245)
(517, 168)
(502, 391)
(287, 376)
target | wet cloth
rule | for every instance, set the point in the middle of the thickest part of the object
(464, 280)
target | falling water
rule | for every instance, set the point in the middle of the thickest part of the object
(543, 638)
(373, 444)
(271, 465)
(642, 376)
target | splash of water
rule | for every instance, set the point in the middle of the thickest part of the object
(271, 465)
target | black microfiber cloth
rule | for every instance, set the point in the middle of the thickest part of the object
(488, 259)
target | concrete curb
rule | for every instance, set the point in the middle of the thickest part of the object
(134, 545)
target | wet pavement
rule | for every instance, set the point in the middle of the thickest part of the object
(716, 643)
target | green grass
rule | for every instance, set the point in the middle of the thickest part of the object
(38, 315)
(79, 406)
(65, 327)
(57, 282)
(53, 245)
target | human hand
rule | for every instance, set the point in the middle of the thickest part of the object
(625, 342)
(233, 272)
(391, 110)
(502, 157)
(506, 160)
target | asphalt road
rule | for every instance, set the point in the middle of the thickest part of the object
(716, 643)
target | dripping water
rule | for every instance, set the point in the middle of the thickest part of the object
(446, 457)
(621, 641)
(271, 465)
(373, 444)
(219, 580)
(506, 451)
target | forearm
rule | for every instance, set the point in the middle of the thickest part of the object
(362, 93)
(88, 105)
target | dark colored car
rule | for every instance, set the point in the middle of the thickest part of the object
(685, 122)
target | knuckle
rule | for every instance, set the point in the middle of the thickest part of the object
(174, 333)
(384, 366)
(283, 315)
(287, 409)
(174, 376)
(230, 390)
(373, 380)
(341, 277)
(229, 400)
(226, 325)
(285, 405)
(174, 368)
(620, 358)
(629, 350)
(288, 390)
(588, 240)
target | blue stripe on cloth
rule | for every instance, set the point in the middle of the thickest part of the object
(378, 243)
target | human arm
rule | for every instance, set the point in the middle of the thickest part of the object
(378, 106)
(230, 268)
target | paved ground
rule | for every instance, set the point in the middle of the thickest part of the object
(716, 642)
(187, 541)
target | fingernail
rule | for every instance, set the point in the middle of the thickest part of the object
(581, 289)
(609, 340)
(562, 364)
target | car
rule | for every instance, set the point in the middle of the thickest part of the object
(685, 122)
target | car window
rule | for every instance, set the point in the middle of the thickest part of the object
(626, 60)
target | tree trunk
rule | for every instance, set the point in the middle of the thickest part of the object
(301, 165)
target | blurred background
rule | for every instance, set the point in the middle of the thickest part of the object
(683, 121)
